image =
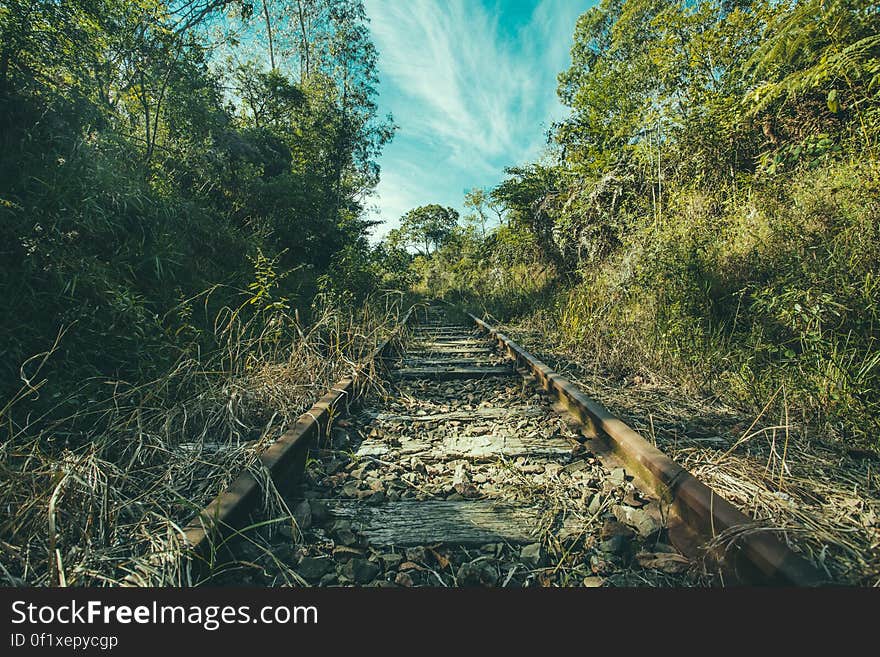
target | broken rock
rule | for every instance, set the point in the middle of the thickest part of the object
(302, 514)
(403, 579)
(640, 519)
(617, 544)
(360, 571)
(312, 569)
(478, 573)
(531, 554)
(665, 561)
(617, 476)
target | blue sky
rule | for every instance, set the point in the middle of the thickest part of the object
(472, 87)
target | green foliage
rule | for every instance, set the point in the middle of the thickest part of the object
(265, 283)
(483, 207)
(825, 48)
(707, 211)
(811, 152)
(426, 226)
(526, 198)
(147, 182)
(393, 264)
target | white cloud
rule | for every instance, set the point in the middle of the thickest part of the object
(475, 95)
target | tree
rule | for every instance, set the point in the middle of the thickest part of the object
(527, 195)
(827, 49)
(136, 170)
(427, 225)
(481, 203)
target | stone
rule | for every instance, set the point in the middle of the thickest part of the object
(617, 476)
(339, 439)
(288, 531)
(312, 569)
(640, 519)
(403, 579)
(328, 579)
(593, 582)
(341, 553)
(344, 534)
(531, 554)
(608, 487)
(391, 560)
(350, 489)
(479, 573)
(360, 571)
(666, 561)
(416, 554)
(319, 511)
(575, 466)
(613, 528)
(302, 514)
(617, 544)
(595, 504)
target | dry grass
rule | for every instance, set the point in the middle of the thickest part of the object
(89, 507)
(823, 496)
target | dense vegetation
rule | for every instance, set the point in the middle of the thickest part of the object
(184, 257)
(183, 245)
(159, 161)
(709, 211)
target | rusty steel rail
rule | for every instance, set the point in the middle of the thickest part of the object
(753, 554)
(283, 461)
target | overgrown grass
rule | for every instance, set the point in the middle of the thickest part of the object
(752, 295)
(87, 497)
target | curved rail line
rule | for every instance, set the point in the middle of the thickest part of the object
(462, 454)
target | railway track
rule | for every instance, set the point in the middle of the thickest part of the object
(472, 464)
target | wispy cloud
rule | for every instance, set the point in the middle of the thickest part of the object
(472, 87)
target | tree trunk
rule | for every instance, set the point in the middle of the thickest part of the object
(303, 44)
(269, 33)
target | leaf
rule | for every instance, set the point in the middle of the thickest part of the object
(668, 562)
(833, 103)
(441, 560)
